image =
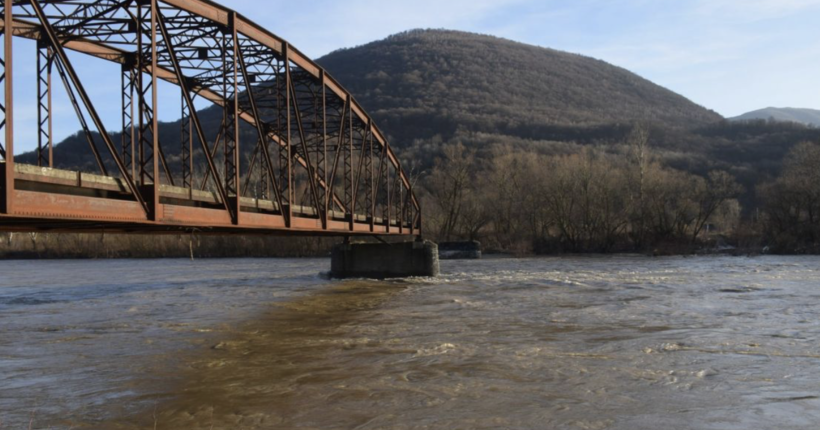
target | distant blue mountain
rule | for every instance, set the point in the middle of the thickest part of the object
(802, 116)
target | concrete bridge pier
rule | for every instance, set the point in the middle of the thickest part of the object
(384, 260)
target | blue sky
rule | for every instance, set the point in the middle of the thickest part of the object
(731, 56)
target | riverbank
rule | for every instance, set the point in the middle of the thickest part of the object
(51, 246)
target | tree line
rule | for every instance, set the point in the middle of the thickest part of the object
(615, 199)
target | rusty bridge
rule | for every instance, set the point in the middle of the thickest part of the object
(310, 160)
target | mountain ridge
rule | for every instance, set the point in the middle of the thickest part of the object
(485, 82)
(798, 115)
(441, 85)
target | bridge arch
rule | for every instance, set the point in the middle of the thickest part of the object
(319, 165)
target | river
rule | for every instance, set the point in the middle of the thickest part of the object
(549, 343)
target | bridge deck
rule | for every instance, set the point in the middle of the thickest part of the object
(47, 199)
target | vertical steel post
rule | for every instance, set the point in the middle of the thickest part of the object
(235, 113)
(230, 82)
(150, 152)
(281, 130)
(7, 203)
(291, 195)
(226, 118)
(379, 196)
(388, 193)
(45, 142)
(328, 188)
(420, 225)
(155, 216)
(264, 180)
(186, 142)
(140, 72)
(128, 131)
(370, 189)
(405, 209)
(348, 155)
(400, 201)
(387, 189)
(145, 114)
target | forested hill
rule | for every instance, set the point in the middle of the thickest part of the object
(423, 83)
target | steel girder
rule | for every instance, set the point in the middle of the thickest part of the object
(316, 161)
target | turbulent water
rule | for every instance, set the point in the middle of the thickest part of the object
(557, 343)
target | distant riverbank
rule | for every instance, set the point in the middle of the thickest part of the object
(30, 246)
(48, 246)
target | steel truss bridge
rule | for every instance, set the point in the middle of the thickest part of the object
(317, 165)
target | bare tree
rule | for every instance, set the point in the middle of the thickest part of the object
(449, 185)
(720, 187)
(792, 201)
(639, 160)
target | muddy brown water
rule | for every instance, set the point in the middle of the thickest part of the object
(551, 343)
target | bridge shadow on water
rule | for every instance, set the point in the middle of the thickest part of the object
(268, 372)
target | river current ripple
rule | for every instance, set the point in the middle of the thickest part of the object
(549, 343)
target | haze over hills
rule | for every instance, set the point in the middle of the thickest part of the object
(798, 115)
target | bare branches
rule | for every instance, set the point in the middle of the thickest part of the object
(591, 201)
(791, 203)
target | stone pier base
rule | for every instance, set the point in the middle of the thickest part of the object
(383, 260)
